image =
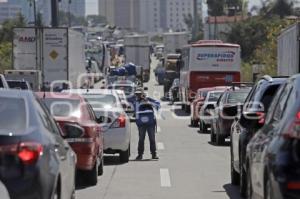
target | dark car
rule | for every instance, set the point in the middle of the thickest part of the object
(35, 161)
(273, 154)
(18, 84)
(3, 82)
(256, 104)
(174, 91)
(72, 112)
(226, 109)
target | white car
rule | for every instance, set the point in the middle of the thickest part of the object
(113, 119)
(3, 191)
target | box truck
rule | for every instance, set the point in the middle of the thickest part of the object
(208, 64)
(58, 53)
(137, 51)
(288, 50)
(174, 41)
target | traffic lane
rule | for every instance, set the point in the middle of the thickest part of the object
(196, 167)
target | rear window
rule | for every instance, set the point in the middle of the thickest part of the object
(17, 85)
(213, 97)
(63, 107)
(13, 117)
(203, 94)
(237, 97)
(101, 101)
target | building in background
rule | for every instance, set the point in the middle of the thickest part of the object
(148, 15)
(25, 7)
(9, 11)
(76, 7)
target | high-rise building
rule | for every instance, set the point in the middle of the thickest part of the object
(148, 15)
(76, 7)
(8, 11)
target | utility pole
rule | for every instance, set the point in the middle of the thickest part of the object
(32, 3)
(69, 13)
(54, 13)
(196, 20)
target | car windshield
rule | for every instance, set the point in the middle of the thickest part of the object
(213, 97)
(17, 85)
(236, 97)
(202, 94)
(128, 90)
(101, 100)
(63, 107)
(13, 117)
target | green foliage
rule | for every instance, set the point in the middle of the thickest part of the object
(216, 7)
(6, 33)
(5, 54)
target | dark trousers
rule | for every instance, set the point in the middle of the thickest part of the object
(150, 129)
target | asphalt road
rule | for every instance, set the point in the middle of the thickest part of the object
(189, 166)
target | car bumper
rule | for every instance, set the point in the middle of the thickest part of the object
(116, 139)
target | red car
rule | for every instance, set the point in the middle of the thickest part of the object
(198, 102)
(86, 139)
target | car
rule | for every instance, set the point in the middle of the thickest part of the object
(3, 82)
(205, 113)
(3, 192)
(174, 91)
(257, 102)
(272, 159)
(113, 119)
(35, 160)
(226, 109)
(73, 113)
(199, 101)
(18, 84)
(128, 87)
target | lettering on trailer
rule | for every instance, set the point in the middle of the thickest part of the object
(227, 56)
(26, 39)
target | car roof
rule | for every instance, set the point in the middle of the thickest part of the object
(16, 93)
(91, 91)
(57, 95)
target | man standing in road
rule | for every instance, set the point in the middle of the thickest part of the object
(146, 122)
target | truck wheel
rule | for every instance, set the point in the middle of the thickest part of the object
(219, 139)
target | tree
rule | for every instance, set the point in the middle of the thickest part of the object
(6, 33)
(280, 8)
(189, 21)
(216, 7)
(5, 54)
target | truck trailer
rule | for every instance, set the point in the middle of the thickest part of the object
(58, 53)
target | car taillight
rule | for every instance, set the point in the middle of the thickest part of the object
(27, 152)
(261, 117)
(294, 129)
(120, 122)
(293, 185)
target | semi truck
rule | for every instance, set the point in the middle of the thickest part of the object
(56, 53)
(208, 64)
(137, 51)
(288, 50)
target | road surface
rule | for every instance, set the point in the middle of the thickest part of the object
(189, 166)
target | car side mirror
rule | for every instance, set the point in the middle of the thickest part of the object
(73, 131)
(232, 111)
(252, 120)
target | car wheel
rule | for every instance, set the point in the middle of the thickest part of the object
(100, 167)
(124, 155)
(249, 191)
(193, 123)
(57, 192)
(235, 176)
(92, 176)
(243, 181)
(212, 136)
(268, 189)
(219, 138)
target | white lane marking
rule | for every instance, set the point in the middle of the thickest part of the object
(160, 146)
(165, 180)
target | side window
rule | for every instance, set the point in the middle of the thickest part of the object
(280, 108)
(274, 103)
(46, 118)
(90, 112)
(250, 97)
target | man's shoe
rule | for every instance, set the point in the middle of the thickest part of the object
(139, 157)
(155, 157)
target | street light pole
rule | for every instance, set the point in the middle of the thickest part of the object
(69, 13)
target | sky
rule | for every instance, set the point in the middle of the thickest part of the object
(92, 5)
